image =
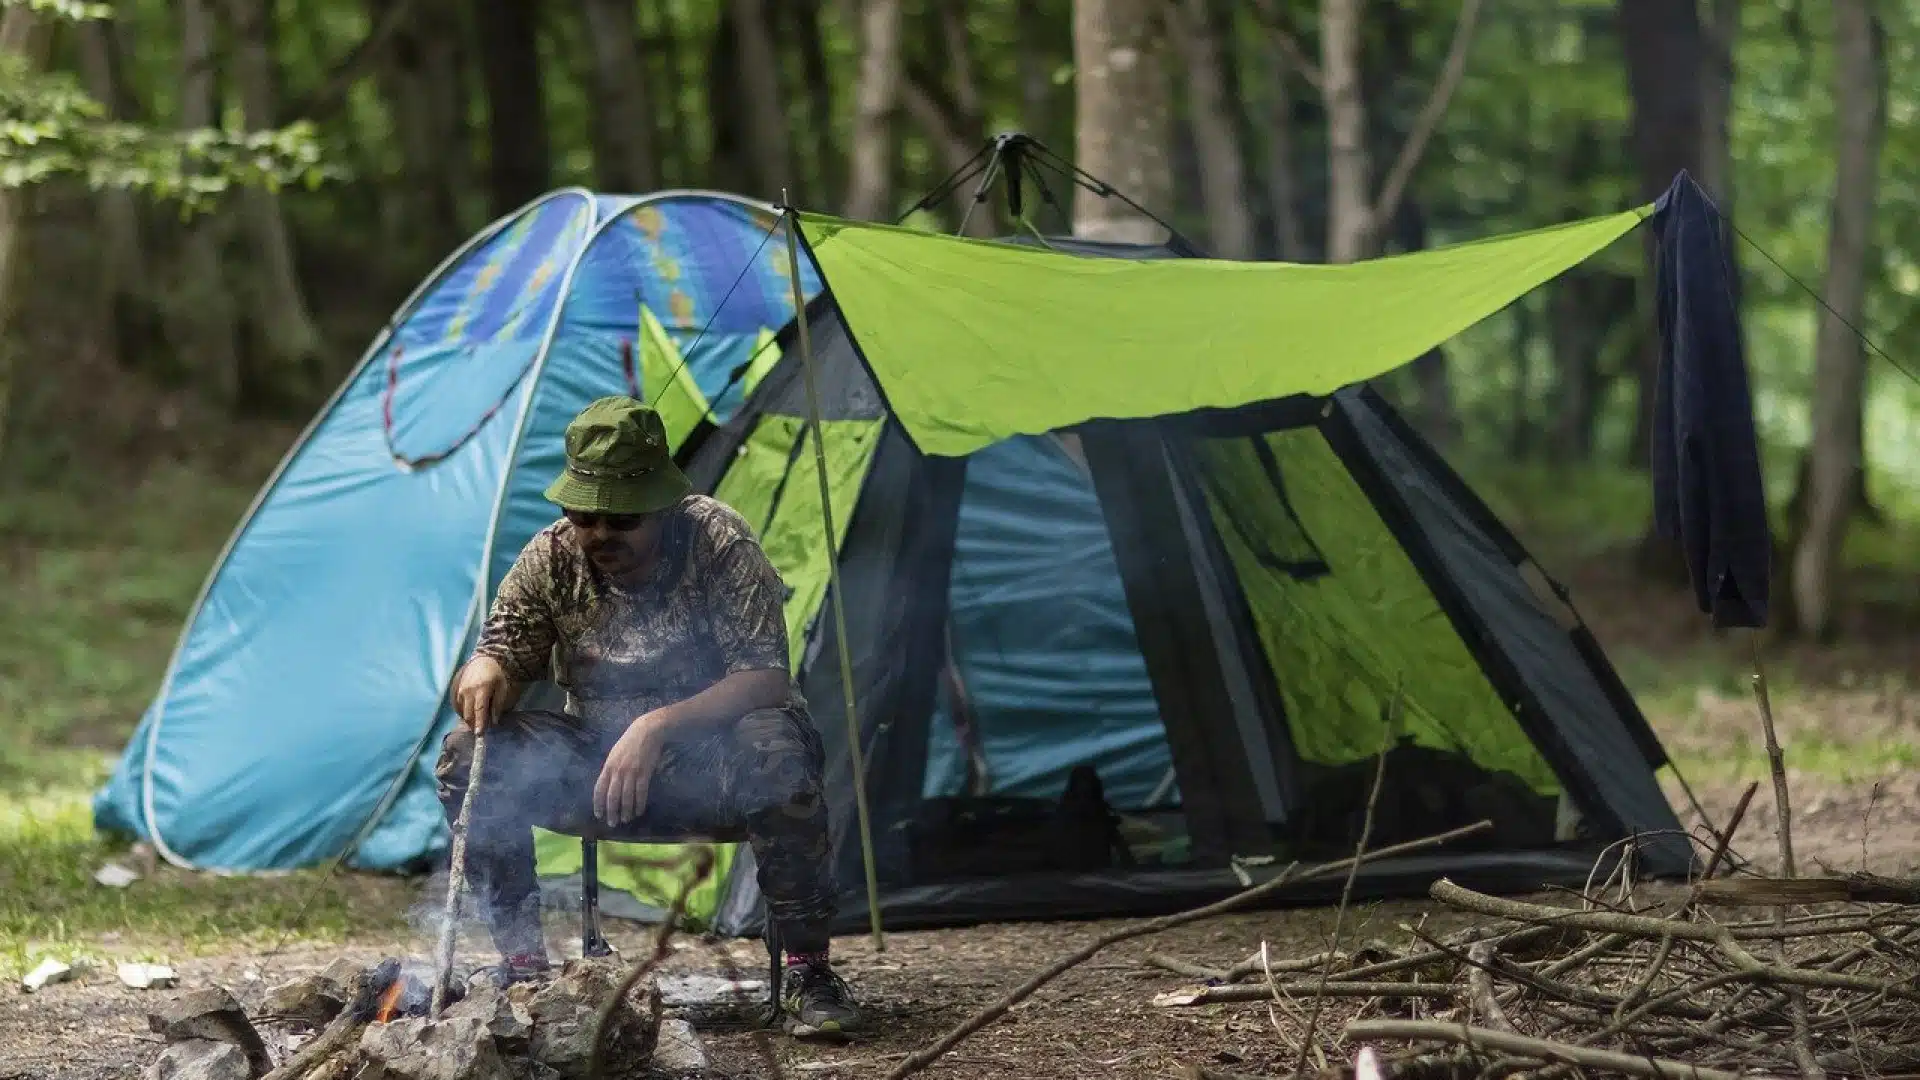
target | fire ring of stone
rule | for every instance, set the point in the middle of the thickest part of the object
(370, 1024)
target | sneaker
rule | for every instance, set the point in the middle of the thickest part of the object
(816, 1001)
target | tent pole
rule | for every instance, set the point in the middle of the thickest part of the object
(833, 571)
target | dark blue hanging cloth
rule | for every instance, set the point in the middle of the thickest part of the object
(1707, 491)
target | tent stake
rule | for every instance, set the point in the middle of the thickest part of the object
(833, 571)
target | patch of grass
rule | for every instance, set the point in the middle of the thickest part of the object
(1845, 761)
(51, 906)
(99, 580)
(99, 588)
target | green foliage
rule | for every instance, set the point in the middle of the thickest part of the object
(50, 128)
(70, 10)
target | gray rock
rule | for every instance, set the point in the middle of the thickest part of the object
(415, 1049)
(510, 1024)
(342, 971)
(200, 1059)
(565, 1014)
(211, 1013)
(679, 1049)
(315, 999)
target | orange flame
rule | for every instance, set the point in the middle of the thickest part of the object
(390, 1001)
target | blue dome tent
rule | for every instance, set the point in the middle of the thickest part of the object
(307, 693)
(300, 716)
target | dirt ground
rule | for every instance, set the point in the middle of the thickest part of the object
(1096, 1020)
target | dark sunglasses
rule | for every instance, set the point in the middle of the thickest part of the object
(615, 522)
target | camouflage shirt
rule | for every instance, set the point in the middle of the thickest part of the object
(710, 606)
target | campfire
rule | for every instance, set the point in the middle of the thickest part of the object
(372, 1021)
(405, 990)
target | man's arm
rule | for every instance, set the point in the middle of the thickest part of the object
(744, 598)
(729, 699)
(519, 633)
(516, 643)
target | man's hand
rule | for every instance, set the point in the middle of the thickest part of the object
(620, 795)
(480, 693)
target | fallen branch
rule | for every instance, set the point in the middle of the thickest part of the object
(1480, 981)
(1783, 821)
(1538, 1049)
(1190, 970)
(338, 1035)
(1353, 870)
(1292, 875)
(1654, 929)
(1773, 892)
(1244, 969)
(1227, 995)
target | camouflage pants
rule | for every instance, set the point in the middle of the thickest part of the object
(761, 774)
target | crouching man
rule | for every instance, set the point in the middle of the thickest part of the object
(660, 614)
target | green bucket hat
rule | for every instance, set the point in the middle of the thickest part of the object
(618, 461)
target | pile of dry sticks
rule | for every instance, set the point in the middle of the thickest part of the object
(1701, 986)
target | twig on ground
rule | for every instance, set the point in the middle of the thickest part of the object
(1480, 979)
(1773, 892)
(702, 866)
(1292, 875)
(1539, 1049)
(1247, 968)
(337, 1035)
(1190, 970)
(1783, 817)
(1390, 725)
(1227, 995)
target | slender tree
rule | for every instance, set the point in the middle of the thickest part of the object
(1835, 459)
(1122, 120)
(519, 147)
(1223, 180)
(623, 154)
(277, 305)
(876, 97)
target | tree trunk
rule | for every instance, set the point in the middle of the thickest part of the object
(1860, 94)
(1349, 176)
(25, 35)
(519, 154)
(876, 98)
(276, 305)
(1661, 42)
(1439, 416)
(807, 16)
(1122, 119)
(667, 79)
(951, 115)
(1223, 183)
(1583, 309)
(728, 165)
(420, 80)
(1719, 36)
(768, 150)
(130, 322)
(202, 315)
(1034, 67)
(622, 113)
(1283, 188)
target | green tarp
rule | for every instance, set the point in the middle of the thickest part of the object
(974, 341)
